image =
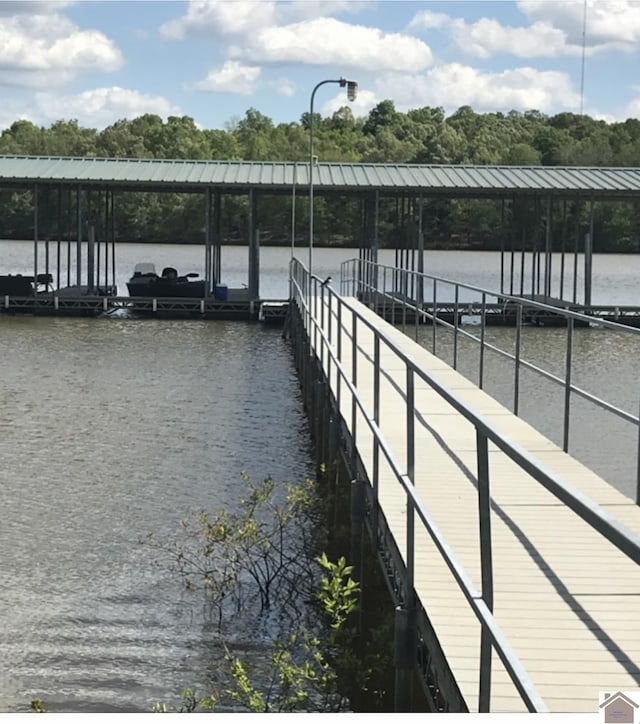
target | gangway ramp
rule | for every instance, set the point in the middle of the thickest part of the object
(566, 599)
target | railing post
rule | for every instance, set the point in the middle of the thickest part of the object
(322, 288)
(456, 324)
(434, 316)
(405, 617)
(339, 355)
(567, 385)
(638, 471)
(404, 279)
(486, 564)
(354, 374)
(516, 381)
(329, 334)
(376, 442)
(384, 293)
(483, 312)
(415, 303)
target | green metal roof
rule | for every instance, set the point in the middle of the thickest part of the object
(182, 175)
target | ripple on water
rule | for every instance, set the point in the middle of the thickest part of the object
(112, 429)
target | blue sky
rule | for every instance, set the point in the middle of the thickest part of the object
(214, 59)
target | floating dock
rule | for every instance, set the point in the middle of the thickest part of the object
(92, 305)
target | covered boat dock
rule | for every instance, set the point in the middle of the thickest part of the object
(74, 207)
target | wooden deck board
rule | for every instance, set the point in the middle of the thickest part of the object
(567, 600)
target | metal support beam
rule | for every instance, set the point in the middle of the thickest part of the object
(588, 257)
(547, 249)
(91, 257)
(35, 231)
(79, 222)
(207, 244)
(254, 248)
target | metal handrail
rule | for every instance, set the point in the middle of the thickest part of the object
(362, 270)
(305, 289)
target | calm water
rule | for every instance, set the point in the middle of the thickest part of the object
(112, 428)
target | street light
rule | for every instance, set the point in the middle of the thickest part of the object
(352, 92)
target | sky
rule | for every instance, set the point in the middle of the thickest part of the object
(212, 60)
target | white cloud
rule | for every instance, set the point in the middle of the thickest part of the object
(41, 50)
(487, 37)
(426, 19)
(283, 87)
(555, 30)
(327, 41)
(609, 22)
(233, 77)
(99, 107)
(226, 19)
(220, 17)
(454, 85)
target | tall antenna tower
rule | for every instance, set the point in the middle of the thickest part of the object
(584, 44)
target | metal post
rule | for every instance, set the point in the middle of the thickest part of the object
(434, 318)
(254, 248)
(351, 90)
(354, 374)
(208, 285)
(35, 235)
(456, 325)
(376, 441)
(79, 237)
(293, 208)
(563, 243)
(91, 257)
(486, 563)
(547, 250)
(483, 313)
(516, 382)
(404, 300)
(113, 239)
(588, 257)
(576, 243)
(339, 356)
(567, 385)
(638, 468)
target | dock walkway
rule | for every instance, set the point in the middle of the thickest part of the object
(567, 599)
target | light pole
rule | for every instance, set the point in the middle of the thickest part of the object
(352, 91)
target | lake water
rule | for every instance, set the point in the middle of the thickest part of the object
(113, 428)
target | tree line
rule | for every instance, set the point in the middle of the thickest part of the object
(422, 136)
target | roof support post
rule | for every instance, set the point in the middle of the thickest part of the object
(91, 239)
(79, 221)
(376, 227)
(420, 270)
(207, 243)
(547, 248)
(35, 233)
(588, 254)
(254, 248)
(217, 256)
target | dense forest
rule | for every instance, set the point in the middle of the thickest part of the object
(385, 135)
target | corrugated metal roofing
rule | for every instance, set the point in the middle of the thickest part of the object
(238, 175)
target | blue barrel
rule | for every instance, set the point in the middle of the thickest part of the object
(221, 292)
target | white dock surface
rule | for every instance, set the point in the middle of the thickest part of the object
(567, 599)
